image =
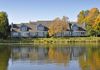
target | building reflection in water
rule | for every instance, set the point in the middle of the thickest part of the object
(47, 55)
(87, 58)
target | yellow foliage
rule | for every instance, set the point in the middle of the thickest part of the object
(58, 25)
(93, 13)
(96, 26)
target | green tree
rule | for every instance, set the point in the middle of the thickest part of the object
(4, 25)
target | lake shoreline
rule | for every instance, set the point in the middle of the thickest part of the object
(63, 40)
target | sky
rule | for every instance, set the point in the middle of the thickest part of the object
(20, 11)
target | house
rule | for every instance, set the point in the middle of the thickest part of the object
(40, 29)
(78, 30)
(73, 30)
(32, 29)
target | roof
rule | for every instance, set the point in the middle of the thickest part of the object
(80, 27)
(32, 25)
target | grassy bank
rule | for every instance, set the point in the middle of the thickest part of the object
(67, 40)
(53, 40)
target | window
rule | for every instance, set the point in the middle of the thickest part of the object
(40, 27)
(74, 27)
(23, 28)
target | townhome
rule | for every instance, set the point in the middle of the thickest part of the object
(40, 29)
(32, 29)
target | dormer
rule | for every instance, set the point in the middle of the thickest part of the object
(23, 28)
(74, 27)
(40, 27)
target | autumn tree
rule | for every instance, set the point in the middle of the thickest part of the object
(58, 25)
(81, 16)
(96, 25)
(92, 15)
(4, 25)
(90, 18)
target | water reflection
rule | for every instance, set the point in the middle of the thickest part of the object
(50, 58)
(91, 59)
(59, 58)
(4, 57)
(49, 55)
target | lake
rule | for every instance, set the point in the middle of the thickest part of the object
(56, 57)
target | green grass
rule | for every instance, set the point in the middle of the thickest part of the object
(53, 40)
(67, 40)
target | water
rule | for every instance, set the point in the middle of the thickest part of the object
(49, 58)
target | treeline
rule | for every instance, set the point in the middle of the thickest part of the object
(92, 20)
(4, 25)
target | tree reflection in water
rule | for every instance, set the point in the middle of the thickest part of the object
(91, 59)
(4, 57)
(88, 58)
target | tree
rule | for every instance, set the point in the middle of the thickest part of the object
(90, 18)
(58, 25)
(96, 25)
(92, 15)
(4, 25)
(81, 16)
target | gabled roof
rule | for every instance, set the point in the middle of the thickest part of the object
(33, 25)
(80, 28)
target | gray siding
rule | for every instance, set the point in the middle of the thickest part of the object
(29, 34)
(68, 33)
